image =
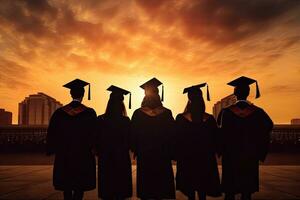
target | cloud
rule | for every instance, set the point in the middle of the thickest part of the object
(125, 36)
(28, 17)
(182, 40)
(219, 22)
(12, 74)
(281, 88)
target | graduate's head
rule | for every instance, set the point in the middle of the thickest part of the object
(77, 93)
(77, 88)
(242, 87)
(241, 92)
(115, 106)
(151, 91)
(195, 93)
(196, 104)
(151, 88)
(116, 96)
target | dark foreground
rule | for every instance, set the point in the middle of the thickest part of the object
(33, 182)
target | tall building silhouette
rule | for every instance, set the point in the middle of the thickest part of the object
(5, 117)
(295, 121)
(36, 109)
(223, 103)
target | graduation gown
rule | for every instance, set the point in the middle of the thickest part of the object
(245, 136)
(151, 137)
(70, 138)
(114, 164)
(196, 144)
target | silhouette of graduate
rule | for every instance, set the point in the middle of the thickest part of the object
(196, 142)
(70, 138)
(151, 139)
(245, 133)
(113, 145)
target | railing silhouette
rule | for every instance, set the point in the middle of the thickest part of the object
(14, 138)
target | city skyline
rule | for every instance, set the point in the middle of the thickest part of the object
(217, 106)
(45, 44)
(37, 109)
(5, 117)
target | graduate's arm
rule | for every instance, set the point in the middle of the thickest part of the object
(98, 134)
(220, 117)
(93, 131)
(133, 134)
(127, 131)
(266, 129)
(177, 138)
(51, 136)
(171, 136)
(220, 133)
(215, 137)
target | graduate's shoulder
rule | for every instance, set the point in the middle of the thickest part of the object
(179, 116)
(92, 111)
(262, 113)
(144, 111)
(227, 112)
(88, 110)
(249, 110)
(126, 118)
(226, 109)
(208, 117)
(167, 111)
(101, 117)
(78, 109)
(257, 108)
(136, 112)
(59, 111)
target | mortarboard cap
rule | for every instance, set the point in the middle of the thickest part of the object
(244, 81)
(197, 87)
(118, 90)
(153, 83)
(77, 83)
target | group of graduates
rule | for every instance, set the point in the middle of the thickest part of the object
(194, 139)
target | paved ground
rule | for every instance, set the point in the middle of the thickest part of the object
(35, 182)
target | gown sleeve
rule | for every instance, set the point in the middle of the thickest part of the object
(178, 132)
(93, 130)
(266, 128)
(133, 133)
(127, 132)
(220, 132)
(52, 134)
(216, 140)
(171, 136)
(219, 118)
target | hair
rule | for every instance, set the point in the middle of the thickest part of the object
(150, 91)
(77, 92)
(195, 105)
(151, 101)
(115, 107)
(242, 92)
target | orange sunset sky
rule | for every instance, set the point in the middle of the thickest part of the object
(44, 44)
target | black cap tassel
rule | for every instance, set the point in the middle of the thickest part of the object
(89, 92)
(130, 100)
(162, 93)
(207, 93)
(257, 90)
